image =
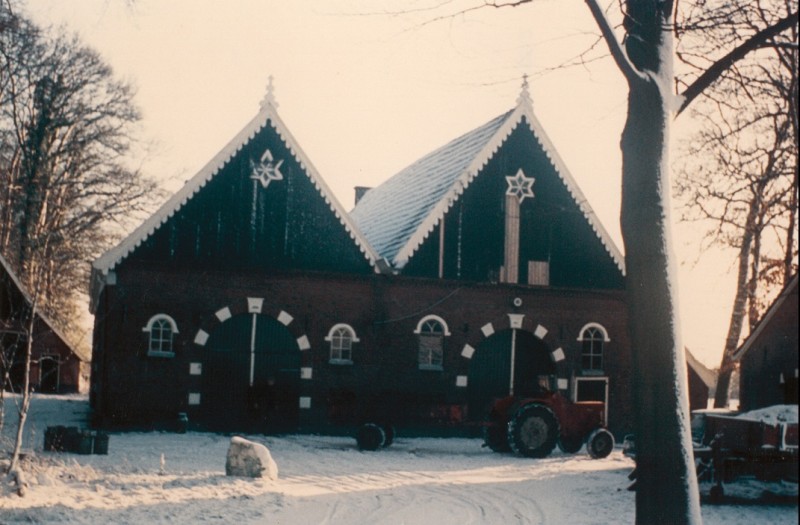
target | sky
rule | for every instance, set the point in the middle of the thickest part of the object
(366, 90)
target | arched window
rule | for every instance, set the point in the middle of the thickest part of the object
(341, 338)
(593, 336)
(431, 331)
(161, 330)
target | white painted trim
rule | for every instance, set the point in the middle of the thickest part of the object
(254, 305)
(418, 329)
(354, 337)
(201, 338)
(195, 369)
(149, 326)
(306, 372)
(557, 355)
(540, 331)
(468, 352)
(304, 402)
(461, 381)
(267, 114)
(302, 343)
(524, 109)
(578, 379)
(194, 398)
(515, 320)
(487, 329)
(594, 325)
(223, 314)
(284, 318)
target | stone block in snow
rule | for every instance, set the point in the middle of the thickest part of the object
(250, 459)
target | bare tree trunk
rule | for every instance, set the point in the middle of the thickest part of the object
(737, 314)
(667, 490)
(26, 397)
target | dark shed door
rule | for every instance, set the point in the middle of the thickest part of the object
(490, 369)
(251, 376)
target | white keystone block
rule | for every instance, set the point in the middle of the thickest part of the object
(284, 318)
(563, 384)
(305, 402)
(558, 355)
(540, 332)
(487, 329)
(201, 338)
(194, 398)
(195, 369)
(254, 304)
(223, 314)
(305, 372)
(461, 381)
(302, 343)
(467, 352)
(515, 320)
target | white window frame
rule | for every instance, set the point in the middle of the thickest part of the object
(577, 380)
(331, 339)
(604, 339)
(148, 328)
(425, 321)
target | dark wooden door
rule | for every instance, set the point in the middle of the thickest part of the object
(251, 376)
(490, 370)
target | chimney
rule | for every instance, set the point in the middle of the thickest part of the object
(360, 192)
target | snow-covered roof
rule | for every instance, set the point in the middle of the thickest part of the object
(267, 115)
(45, 319)
(789, 289)
(397, 216)
(708, 376)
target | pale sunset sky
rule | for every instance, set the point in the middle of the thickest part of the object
(366, 91)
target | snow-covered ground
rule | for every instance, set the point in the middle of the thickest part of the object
(326, 480)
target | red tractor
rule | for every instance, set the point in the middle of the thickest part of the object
(533, 426)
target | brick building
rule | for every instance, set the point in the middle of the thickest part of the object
(768, 357)
(56, 367)
(253, 301)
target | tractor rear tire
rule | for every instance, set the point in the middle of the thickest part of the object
(533, 431)
(600, 443)
(370, 437)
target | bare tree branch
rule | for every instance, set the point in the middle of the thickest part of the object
(712, 73)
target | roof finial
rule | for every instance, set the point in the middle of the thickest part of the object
(269, 98)
(524, 95)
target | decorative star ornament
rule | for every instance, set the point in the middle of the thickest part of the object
(520, 186)
(267, 170)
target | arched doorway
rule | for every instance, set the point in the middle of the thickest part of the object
(490, 371)
(251, 376)
(48, 374)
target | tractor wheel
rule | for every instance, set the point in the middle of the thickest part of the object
(600, 443)
(533, 431)
(570, 445)
(370, 437)
(389, 433)
(495, 436)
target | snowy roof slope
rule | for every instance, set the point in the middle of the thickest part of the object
(267, 115)
(28, 299)
(391, 213)
(397, 216)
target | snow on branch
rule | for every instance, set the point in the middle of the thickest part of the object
(617, 53)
